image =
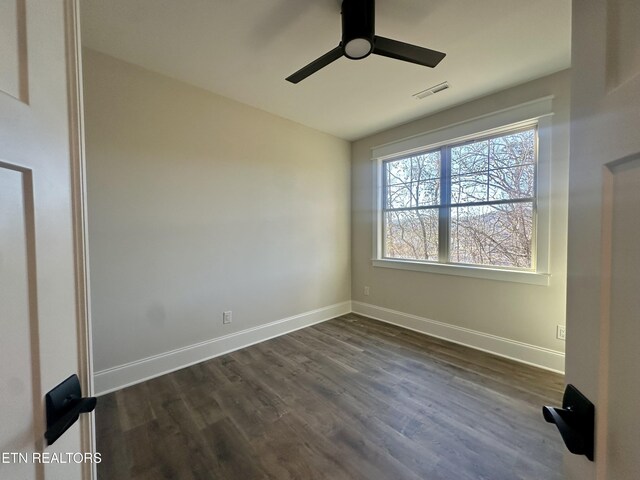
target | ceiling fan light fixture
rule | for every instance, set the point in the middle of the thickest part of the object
(358, 48)
(359, 41)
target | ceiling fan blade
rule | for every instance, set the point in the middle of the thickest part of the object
(406, 52)
(316, 65)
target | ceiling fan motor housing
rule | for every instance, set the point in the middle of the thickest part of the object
(358, 20)
(359, 41)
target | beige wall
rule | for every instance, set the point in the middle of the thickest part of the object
(199, 204)
(521, 312)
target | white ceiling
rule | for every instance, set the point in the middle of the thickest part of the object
(244, 49)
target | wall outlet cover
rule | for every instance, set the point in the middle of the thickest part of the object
(561, 333)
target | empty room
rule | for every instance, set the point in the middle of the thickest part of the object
(319, 239)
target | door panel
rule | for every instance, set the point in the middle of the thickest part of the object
(623, 419)
(13, 49)
(41, 299)
(19, 342)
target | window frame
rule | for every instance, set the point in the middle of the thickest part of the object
(537, 113)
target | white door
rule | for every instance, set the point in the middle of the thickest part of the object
(43, 335)
(603, 307)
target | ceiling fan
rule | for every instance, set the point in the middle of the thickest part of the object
(359, 41)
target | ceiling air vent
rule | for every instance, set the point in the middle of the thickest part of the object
(431, 90)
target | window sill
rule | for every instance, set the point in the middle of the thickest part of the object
(517, 276)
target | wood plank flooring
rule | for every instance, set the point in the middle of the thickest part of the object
(350, 398)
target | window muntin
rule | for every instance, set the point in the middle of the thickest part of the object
(468, 203)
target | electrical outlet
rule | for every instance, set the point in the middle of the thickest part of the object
(561, 333)
(366, 291)
(226, 317)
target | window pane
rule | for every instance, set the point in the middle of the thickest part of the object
(398, 172)
(413, 169)
(428, 192)
(413, 181)
(512, 183)
(414, 194)
(470, 158)
(513, 149)
(412, 234)
(399, 196)
(426, 166)
(498, 235)
(469, 188)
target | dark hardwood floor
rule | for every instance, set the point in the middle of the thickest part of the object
(350, 398)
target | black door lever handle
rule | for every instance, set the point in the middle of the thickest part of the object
(64, 406)
(563, 419)
(575, 421)
(62, 424)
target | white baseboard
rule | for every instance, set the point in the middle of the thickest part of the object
(522, 352)
(135, 372)
(112, 379)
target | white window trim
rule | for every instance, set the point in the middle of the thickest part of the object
(539, 111)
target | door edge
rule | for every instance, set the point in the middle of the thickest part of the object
(73, 50)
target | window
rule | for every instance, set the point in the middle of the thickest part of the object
(470, 199)
(470, 203)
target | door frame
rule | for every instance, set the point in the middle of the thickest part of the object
(73, 49)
